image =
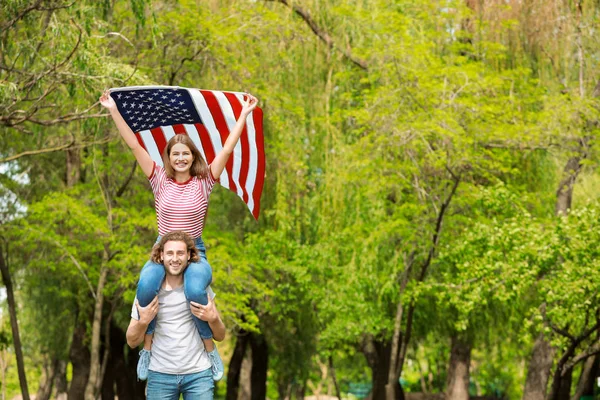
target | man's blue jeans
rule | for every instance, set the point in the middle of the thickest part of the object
(198, 386)
(196, 278)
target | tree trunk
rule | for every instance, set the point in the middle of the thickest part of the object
(92, 384)
(47, 380)
(4, 359)
(334, 379)
(116, 374)
(80, 360)
(564, 392)
(128, 386)
(457, 383)
(587, 379)
(282, 390)
(300, 391)
(73, 167)
(12, 310)
(564, 194)
(108, 350)
(467, 25)
(60, 379)
(538, 371)
(540, 363)
(107, 391)
(235, 366)
(107, 387)
(260, 365)
(377, 354)
(245, 391)
(396, 360)
(391, 385)
(401, 340)
(561, 384)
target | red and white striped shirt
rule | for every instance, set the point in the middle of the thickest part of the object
(180, 206)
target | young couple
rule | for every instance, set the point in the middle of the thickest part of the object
(181, 191)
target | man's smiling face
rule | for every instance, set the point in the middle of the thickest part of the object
(175, 257)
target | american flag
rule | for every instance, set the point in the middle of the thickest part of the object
(156, 113)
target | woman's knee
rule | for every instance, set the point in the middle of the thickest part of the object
(197, 277)
(198, 273)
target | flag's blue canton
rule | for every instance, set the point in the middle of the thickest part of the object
(150, 108)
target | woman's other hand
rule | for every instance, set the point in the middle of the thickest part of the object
(107, 101)
(248, 104)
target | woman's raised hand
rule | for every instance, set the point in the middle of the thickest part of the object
(248, 104)
(107, 101)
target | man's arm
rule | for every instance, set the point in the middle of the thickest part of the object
(137, 328)
(210, 314)
(135, 333)
(218, 328)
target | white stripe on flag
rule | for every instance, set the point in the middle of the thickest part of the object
(168, 131)
(151, 147)
(237, 150)
(252, 157)
(210, 126)
(193, 134)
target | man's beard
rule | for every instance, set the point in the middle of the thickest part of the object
(179, 272)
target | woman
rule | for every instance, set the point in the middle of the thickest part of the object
(181, 191)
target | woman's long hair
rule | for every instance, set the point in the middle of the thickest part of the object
(199, 167)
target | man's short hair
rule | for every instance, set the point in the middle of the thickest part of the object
(175, 236)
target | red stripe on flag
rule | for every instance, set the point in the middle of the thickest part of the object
(207, 145)
(237, 110)
(159, 138)
(219, 119)
(179, 129)
(140, 141)
(260, 169)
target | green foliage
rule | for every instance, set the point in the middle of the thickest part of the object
(360, 165)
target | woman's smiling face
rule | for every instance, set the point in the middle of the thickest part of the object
(181, 158)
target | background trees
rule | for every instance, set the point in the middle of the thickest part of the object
(430, 205)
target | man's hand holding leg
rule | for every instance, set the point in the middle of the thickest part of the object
(210, 314)
(137, 328)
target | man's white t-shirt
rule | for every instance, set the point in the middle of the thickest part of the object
(177, 347)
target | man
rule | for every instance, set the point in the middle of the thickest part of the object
(179, 363)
